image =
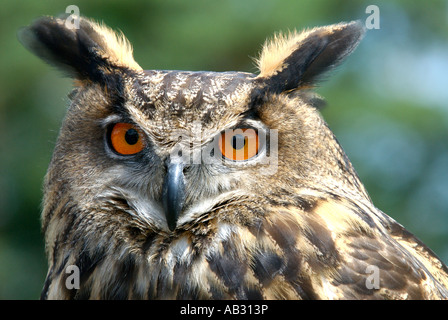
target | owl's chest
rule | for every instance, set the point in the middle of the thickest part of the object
(192, 267)
(226, 264)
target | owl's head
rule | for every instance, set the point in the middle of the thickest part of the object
(169, 149)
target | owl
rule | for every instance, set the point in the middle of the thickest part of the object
(212, 185)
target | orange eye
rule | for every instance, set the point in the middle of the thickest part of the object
(126, 139)
(239, 144)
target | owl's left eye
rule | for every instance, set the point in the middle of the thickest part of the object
(126, 139)
(239, 144)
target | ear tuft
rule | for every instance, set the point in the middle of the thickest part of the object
(276, 50)
(89, 52)
(295, 60)
(115, 47)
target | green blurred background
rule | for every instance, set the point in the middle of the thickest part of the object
(387, 104)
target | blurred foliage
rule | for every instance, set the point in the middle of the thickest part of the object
(387, 104)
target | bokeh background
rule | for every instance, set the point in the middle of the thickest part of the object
(387, 104)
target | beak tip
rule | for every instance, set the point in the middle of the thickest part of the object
(172, 226)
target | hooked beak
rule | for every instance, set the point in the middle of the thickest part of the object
(173, 193)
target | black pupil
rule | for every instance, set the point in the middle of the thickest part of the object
(238, 141)
(131, 136)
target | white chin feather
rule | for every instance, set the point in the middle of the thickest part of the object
(151, 212)
(205, 205)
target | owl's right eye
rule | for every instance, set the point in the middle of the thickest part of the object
(126, 139)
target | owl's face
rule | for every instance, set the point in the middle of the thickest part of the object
(169, 148)
(172, 145)
(176, 146)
